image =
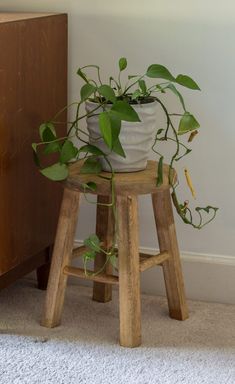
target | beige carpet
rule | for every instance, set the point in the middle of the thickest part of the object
(84, 348)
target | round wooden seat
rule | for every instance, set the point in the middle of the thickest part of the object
(138, 183)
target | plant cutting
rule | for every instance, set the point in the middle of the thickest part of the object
(122, 127)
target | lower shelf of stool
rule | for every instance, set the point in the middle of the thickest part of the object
(146, 261)
(100, 278)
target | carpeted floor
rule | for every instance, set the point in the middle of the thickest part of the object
(84, 348)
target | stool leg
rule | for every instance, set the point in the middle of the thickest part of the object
(61, 257)
(102, 292)
(129, 274)
(168, 242)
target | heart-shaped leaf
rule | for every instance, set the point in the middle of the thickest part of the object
(82, 75)
(125, 111)
(55, 172)
(137, 93)
(90, 185)
(115, 125)
(54, 146)
(122, 63)
(91, 166)
(160, 72)
(92, 242)
(89, 255)
(68, 152)
(47, 132)
(187, 123)
(86, 91)
(142, 85)
(105, 128)
(187, 81)
(117, 148)
(107, 92)
(91, 149)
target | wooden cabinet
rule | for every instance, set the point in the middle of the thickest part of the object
(33, 87)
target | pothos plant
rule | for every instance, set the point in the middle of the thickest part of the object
(114, 102)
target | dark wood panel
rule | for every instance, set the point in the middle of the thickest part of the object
(39, 261)
(33, 86)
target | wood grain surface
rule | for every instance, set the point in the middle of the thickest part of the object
(105, 232)
(33, 78)
(129, 274)
(62, 256)
(139, 183)
(172, 269)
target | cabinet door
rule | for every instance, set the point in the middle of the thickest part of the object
(33, 78)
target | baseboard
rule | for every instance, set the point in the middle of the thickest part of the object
(207, 277)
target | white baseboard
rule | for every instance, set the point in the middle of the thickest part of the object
(207, 277)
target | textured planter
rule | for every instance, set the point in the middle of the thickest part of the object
(136, 138)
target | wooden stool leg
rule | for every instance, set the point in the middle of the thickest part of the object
(129, 275)
(61, 256)
(102, 292)
(168, 242)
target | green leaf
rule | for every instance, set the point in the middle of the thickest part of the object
(113, 260)
(90, 185)
(125, 111)
(48, 136)
(34, 146)
(107, 92)
(47, 132)
(160, 172)
(52, 147)
(187, 81)
(91, 149)
(86, 91)
(105, 128)
(115, 125)
(160, 72)
(187, 123)
(56, 172)
(160, 130)
(122, 63)
(82, 75)
(93, 243)
(89, 255)
(117, 148)
(35, 155)
(136, 94)
(177, 93)
(91, 166)
(68, 152)
(142, 85)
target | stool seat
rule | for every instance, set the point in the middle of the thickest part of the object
(137, 183)
(117, 222)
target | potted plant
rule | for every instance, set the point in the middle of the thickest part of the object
(122, 122)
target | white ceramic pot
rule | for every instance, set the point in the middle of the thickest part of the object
(136, 138)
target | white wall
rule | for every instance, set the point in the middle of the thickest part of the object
(192, 37)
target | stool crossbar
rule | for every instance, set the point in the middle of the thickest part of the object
(131, 262)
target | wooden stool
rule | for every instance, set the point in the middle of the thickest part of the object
(131, 262)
